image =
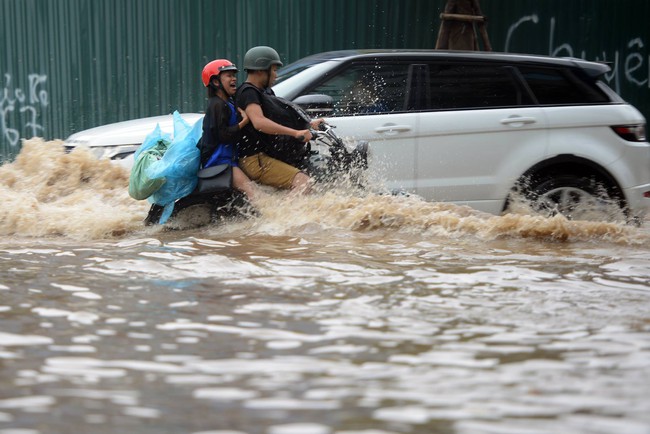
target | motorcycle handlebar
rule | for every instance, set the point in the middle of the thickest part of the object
(314, 134)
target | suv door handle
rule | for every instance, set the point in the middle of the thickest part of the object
(521, 120)
(391, 129)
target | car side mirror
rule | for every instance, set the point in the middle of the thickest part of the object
(316, 105)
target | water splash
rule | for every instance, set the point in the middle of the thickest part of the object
(47, 192)
(411, 214)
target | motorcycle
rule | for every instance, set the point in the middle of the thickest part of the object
(325, 158)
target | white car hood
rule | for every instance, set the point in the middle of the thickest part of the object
(131, 132)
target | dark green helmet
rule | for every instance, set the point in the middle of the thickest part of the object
(261, 58)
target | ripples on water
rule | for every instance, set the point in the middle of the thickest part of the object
(329, 314)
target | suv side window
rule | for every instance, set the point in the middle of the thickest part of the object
(465, 86)
(367, 88)
(553, 86)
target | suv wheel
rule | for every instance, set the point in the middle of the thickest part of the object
(577, 197)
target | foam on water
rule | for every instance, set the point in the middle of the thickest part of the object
(47, 192)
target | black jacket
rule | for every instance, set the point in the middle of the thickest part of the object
(216, 129)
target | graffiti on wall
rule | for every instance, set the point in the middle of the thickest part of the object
(23, 106)
(630, 66)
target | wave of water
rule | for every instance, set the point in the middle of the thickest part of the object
(48, 192)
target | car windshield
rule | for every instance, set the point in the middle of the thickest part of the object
(291, 82)
(297, 67)
(307, 62)
(284, 74)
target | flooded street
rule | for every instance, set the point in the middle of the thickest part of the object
(327, 314)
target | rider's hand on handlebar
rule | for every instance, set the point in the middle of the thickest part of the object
(303, 135)
(315, 123)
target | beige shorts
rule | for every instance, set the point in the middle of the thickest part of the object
(268, 171)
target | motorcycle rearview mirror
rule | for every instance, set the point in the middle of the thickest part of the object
(316, 105)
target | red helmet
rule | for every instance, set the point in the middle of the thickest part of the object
(216, 67)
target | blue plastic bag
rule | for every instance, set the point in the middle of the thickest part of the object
(151, 140)
(178, 166)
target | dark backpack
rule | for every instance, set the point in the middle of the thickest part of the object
(285, 148)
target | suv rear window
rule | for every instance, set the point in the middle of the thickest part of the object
(454, 86)
(561, 86)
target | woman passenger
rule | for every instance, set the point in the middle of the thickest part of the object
(221, 126)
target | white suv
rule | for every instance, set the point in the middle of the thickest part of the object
(476, 128)
(472, 127)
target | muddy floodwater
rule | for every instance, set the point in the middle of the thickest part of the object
(333, 313)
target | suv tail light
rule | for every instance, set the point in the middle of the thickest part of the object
(631, 133)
